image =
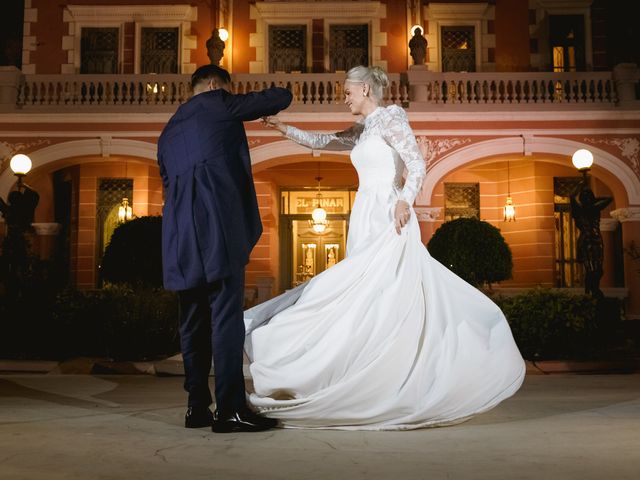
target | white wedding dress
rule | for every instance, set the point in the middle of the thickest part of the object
(388, 338)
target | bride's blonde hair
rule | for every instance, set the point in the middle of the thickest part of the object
(375, 77)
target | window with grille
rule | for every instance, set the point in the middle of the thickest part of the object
(568, 270)
(159, 50)
(99, 50)
(458, 49)
(461, 200)
(287, 48)
(348, 46)
(566, 35)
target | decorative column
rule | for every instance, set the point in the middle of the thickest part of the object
(629, 217)
(419, 77)
(607, 227)
(427, 216)
(45, 240)
(10, 78)
(626, 77)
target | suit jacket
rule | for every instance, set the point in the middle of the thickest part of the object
(210, 216)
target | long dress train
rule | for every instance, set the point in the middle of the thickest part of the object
(388, 338)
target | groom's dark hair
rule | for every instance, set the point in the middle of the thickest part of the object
(208, 72)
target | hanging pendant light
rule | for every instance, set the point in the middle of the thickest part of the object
(318, 221)
(124, 211)
(509, 209)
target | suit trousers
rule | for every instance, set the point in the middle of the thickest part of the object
(212, 325)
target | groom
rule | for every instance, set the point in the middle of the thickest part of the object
(210, 225)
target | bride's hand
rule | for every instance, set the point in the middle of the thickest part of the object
(401, 215)
(274, 122)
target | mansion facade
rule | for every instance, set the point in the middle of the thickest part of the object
(503, 95)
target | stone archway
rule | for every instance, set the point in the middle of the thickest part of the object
(514, 145)
(79, 148)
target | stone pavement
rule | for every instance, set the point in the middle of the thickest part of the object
(130, 427)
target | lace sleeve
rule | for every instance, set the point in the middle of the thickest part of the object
(344, 140)
(399, 135)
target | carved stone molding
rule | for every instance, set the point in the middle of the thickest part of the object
(427, 214)
(628, 214)
(629, 148)
(43, 229)
(608, 224)
(432, 149)
(279, 10)
(105, 145)
(7, 150)
(125, 13)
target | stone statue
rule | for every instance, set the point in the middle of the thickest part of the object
(20, 210)
(14, 254)
(585, 209)
(215, 47)
(418, 47)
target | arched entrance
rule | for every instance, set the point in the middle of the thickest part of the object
(537, 166)
(290, 251)
(81, 184)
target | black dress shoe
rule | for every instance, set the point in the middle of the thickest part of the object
(244, 421)
(198, 418)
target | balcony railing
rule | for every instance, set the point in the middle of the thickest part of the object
(419, 89)
(73, 91)
(512, 88)
(314, 88)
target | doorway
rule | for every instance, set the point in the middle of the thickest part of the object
(305, 252)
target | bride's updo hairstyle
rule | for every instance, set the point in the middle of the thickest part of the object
(375, 77)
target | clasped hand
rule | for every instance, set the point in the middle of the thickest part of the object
(274, 122)
(401, 215)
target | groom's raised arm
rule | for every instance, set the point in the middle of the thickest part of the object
(251, 106)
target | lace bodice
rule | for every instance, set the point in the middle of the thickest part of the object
(390, 125)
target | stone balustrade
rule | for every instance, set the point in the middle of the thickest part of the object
(98, 91)
(314, 88)
(512, 88)
(418, 88)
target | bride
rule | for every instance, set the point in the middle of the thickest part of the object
(388, 338)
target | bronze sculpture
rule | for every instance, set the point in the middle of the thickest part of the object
(585, 209)
(418, 47)
(215, 47)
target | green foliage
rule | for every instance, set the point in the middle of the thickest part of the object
(118, 322)
(551, 324)
(473, 249)
(134, 254)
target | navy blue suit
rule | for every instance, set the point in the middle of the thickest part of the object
(210, 225)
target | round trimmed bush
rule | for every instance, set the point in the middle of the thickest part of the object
(134, 254)
(473, 249)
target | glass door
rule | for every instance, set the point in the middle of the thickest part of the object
(304, 250)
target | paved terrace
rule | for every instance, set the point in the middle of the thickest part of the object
(130, 427)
